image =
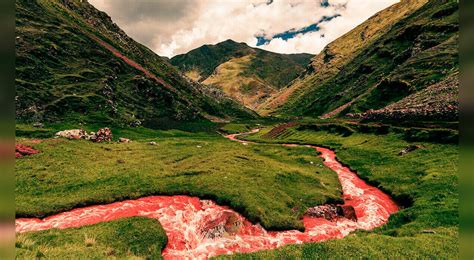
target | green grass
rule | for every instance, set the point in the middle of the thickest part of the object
(124, 238)
(367, 246)
(64, 75)
(418, 50)
(67, 174)
(424, 182)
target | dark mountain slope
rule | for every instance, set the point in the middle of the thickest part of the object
(75, 64)
(248, 75)
(414, 53)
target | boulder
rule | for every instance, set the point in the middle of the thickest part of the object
(225, 223)
(38, 125)
(409, 148)
(347, 212)
(103, 135)
(332, 212)
(124, 140)
(73, 134)
(329, 212)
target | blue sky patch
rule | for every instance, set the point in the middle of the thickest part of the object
(263, 40)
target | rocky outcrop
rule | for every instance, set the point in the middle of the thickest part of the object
(103, 135)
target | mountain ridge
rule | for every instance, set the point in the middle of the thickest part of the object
(248, 75)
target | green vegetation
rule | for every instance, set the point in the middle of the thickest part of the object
(367, 246)
(248, 75)
(65, 73)
(275, 69)
(124, 238)
(67, 174)
(419, 49)
(424, 182)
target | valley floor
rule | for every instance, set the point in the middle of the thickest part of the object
(253, 180)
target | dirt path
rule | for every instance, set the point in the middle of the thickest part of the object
(199, 229)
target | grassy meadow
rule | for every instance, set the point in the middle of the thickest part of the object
(248, 178)
(68, 174)
(424, 182)
(135, 237)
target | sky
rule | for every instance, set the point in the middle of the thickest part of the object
(172, 27)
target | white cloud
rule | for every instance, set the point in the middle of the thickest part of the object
(171, 27)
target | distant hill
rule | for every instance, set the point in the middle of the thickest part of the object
(74, 64)
(248, 75)
(398, 52)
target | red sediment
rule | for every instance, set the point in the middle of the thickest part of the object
(201, 228)
(136, 65)
(22, 150)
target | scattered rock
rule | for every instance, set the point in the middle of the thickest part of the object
(328, 212)
(73, 134)
(103, 135)
(38, 125)
(124, 140)
(332, 212)
(22, 150)
(226, 223)
(409, 148)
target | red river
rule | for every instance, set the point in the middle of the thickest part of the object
(199, 229)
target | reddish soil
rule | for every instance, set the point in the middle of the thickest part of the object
(200, 228)
(22, 150)
(136, 66)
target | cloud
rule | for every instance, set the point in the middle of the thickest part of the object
(171, 27)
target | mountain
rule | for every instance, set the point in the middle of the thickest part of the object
(248, 75)
(74, 64)
(398, 52)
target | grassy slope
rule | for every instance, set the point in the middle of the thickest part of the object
(248, 90)
(438, 101)
(64, 74)
(341, 51)
(124, 238)
(425, 180)
(415, 52)
(274, 68)
(255, 74)
(68, 174)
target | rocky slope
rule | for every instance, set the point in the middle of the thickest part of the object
(248, 75)
(75, 64)
(399, 51)
(436, 102)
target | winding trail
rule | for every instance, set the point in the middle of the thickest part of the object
(200, 228)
